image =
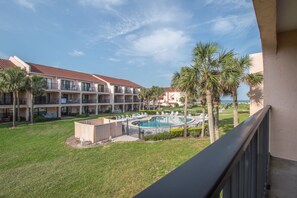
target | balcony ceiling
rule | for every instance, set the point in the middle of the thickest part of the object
(286, 15)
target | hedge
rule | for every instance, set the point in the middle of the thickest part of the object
(176, 132)
(149, 112)
(43, 119)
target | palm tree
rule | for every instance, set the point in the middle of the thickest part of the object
(142, 95)
(37, 88)
(234, 72)
(208, 59)
(159, 93)
(11, 81)
(202, 97)
(185, 81)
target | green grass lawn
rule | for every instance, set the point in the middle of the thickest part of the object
(35, 162)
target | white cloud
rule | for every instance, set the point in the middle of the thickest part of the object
(233, 3)
(162, 44)
(107, 4)
(30, 4)
(76, 53)
(114, 60)
(233, 24)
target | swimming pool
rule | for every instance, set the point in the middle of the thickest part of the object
(161, 121)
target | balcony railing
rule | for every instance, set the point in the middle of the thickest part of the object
(104, 101)
(119, 90)
(103, 90)
(128, 91)
(90, 89)
(136, 100)
(234, 166)
(22, 102)
(41, 102)
(70, 101)
(84, 101)
(128, 100)
(119, 100)
(52, 85)
(69, 88)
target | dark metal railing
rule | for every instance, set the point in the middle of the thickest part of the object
(136, 100)
(103, 90)
(90, 89)
(118, 90)
(104, 101)
(70, 101)
(41, 102)
(89, 101)
(234, 166)
(128, 100)
(118, 100)
(70, 88)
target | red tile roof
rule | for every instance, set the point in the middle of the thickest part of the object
(5, 64)
(48, 70)
(118, 81)
(169, 89)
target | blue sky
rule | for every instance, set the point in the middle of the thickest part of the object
(145, 41)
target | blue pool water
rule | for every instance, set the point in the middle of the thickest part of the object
(161, 121)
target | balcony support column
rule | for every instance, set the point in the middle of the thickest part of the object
(27, 114)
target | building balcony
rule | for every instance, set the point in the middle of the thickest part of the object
(104, 101)
(45, 102)
(90, 89)
(70, 101)
(88, 101)
(236, 165)
(128, 100)
(135, 91)
(52, 86)
(119, 100)
(128, 91)
(136, 100)
(22, 102)
(119, 90)
(105, 90)
(70, 88)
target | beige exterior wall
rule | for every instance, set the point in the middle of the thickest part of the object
(256, 93)
(97, 129)
(280, 69)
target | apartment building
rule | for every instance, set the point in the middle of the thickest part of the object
(171, 97)
(124, 93)
(70, 92)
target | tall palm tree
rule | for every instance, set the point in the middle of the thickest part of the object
(234, 72)
(185, 81)
(159, 92)
(208, 58)
(142, 96)
(37, 88)
(11, 80)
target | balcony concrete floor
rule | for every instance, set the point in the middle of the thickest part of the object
(283, 178)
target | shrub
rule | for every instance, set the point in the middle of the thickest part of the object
(149, 112)
(43, 119)
(159, 136)
(177, 132)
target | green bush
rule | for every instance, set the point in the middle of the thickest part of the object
(177, 132)
(149, 112)
(43, 119)
(159, 136)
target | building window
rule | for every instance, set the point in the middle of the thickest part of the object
(85, 86)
